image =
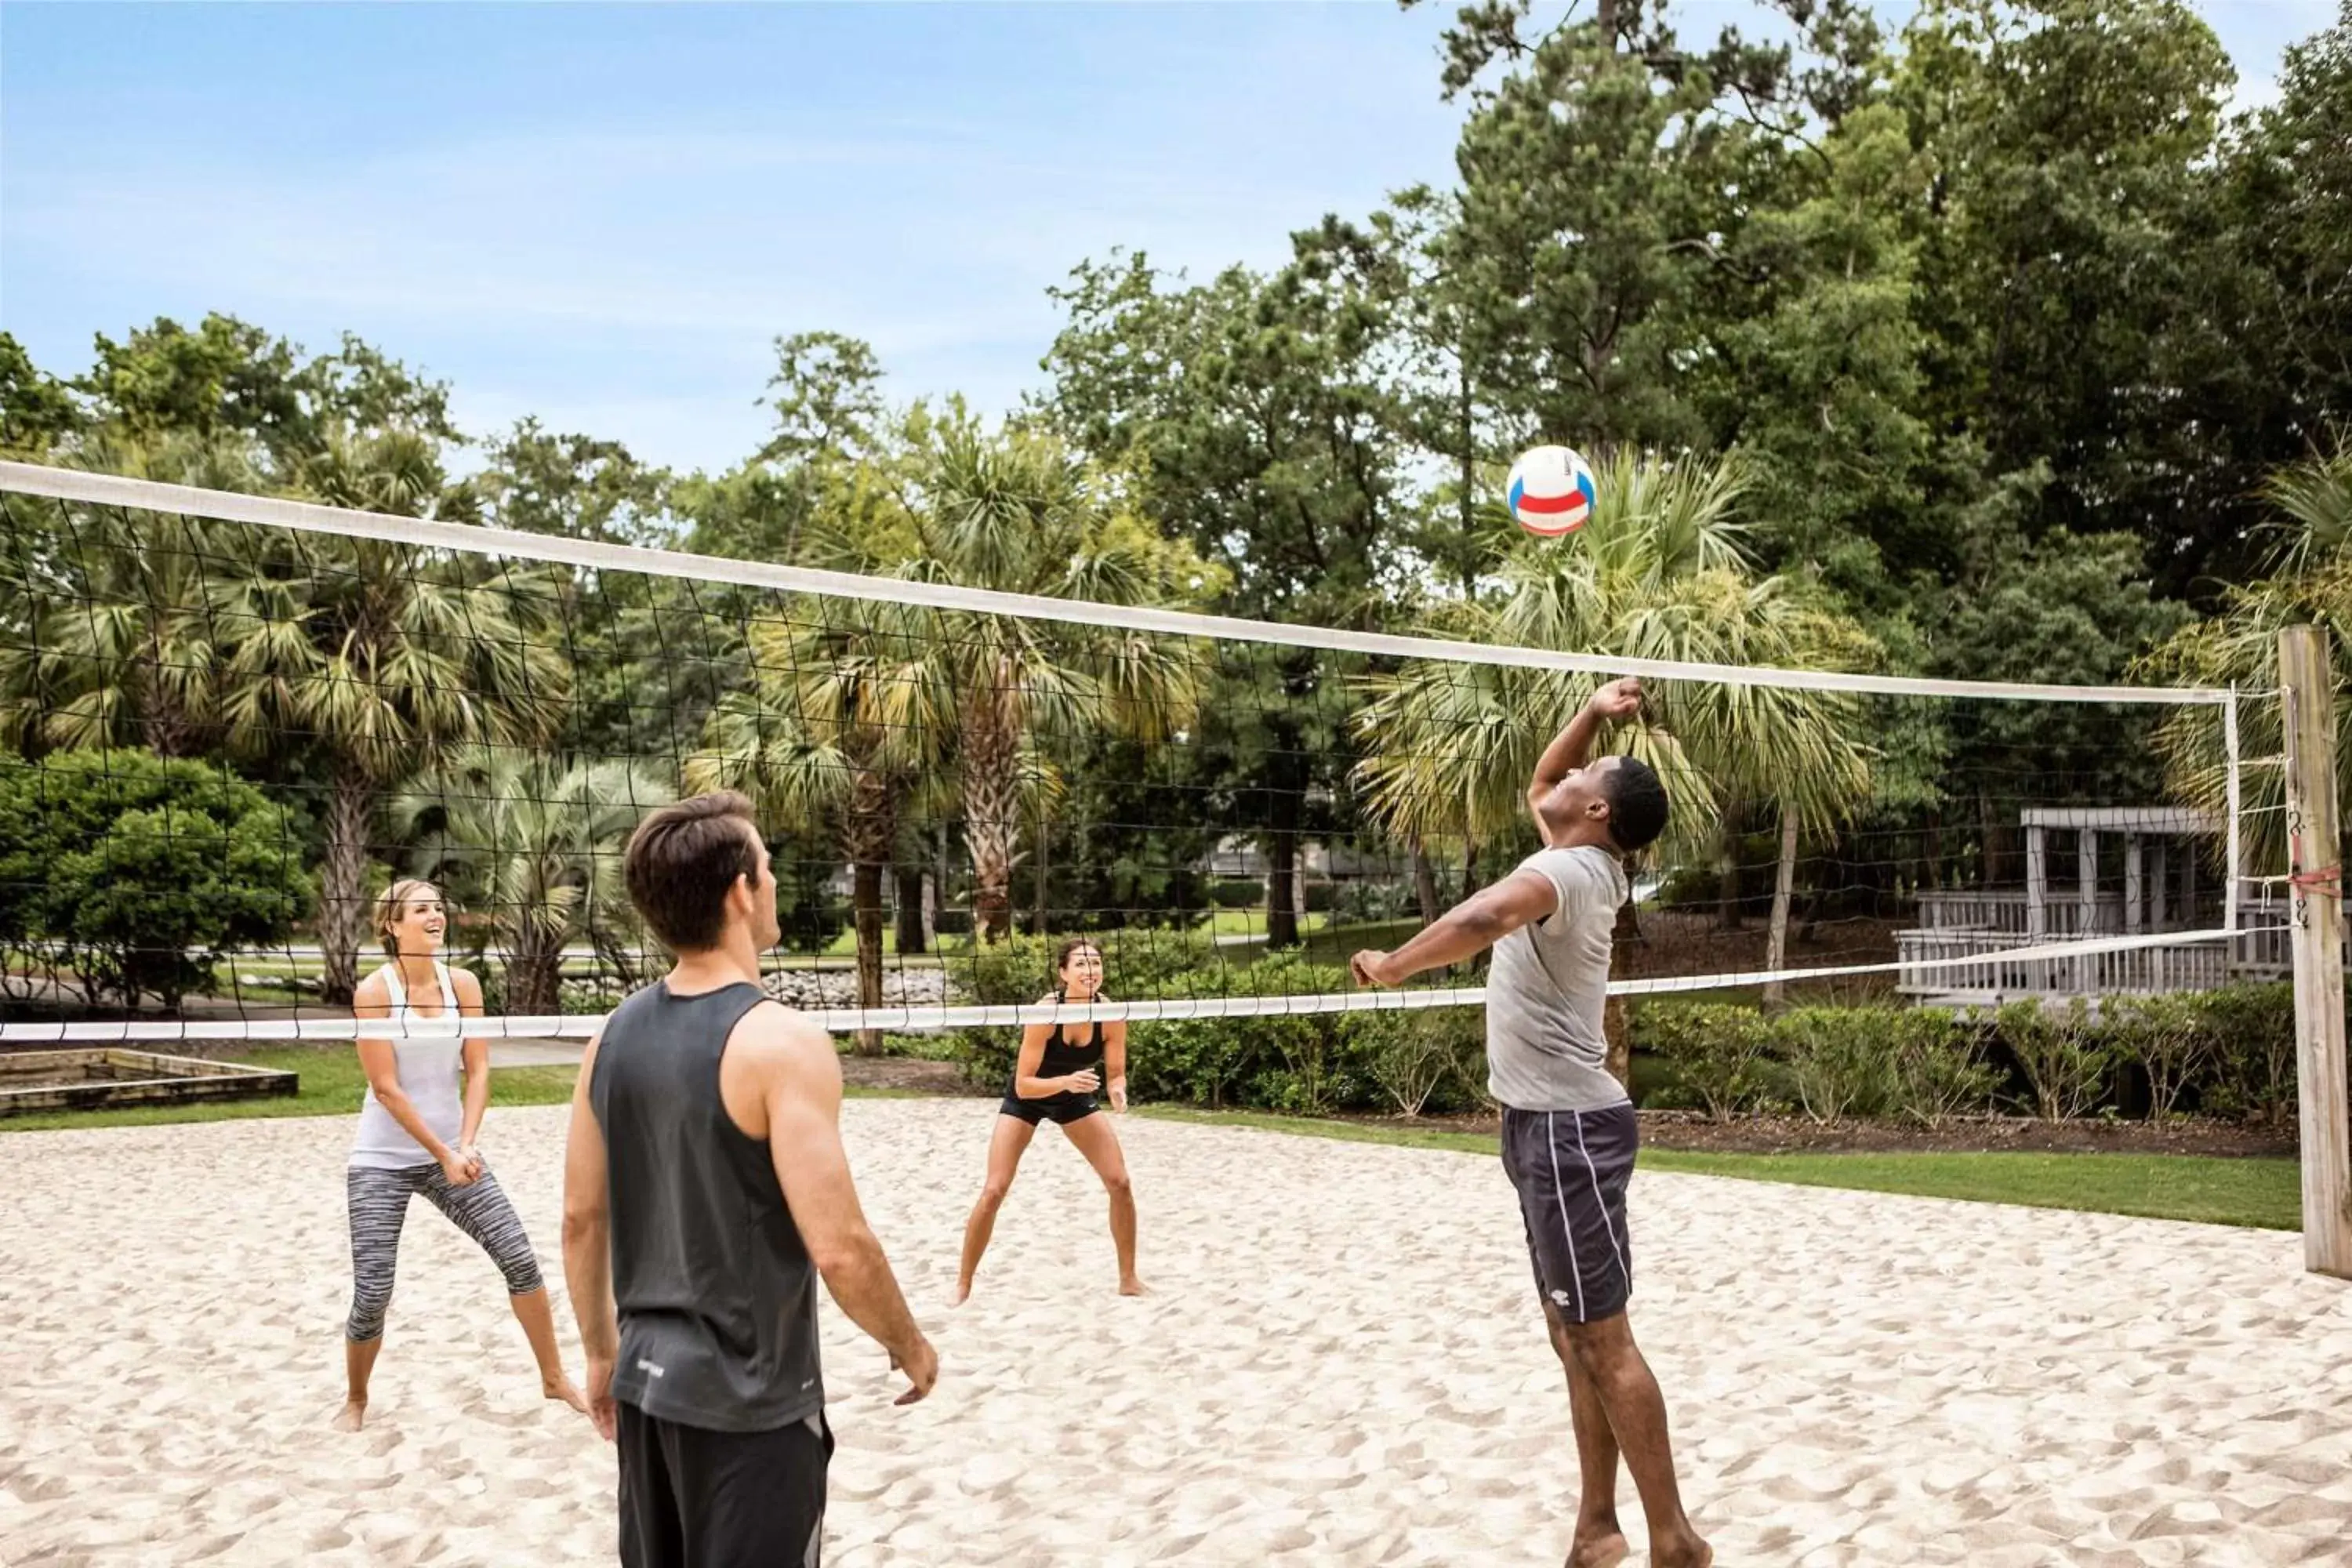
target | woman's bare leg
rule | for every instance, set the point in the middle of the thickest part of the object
(1098, 1142)
(359, 1365)
(1004, 1149)
(530, 1309)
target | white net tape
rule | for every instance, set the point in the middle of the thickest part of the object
(1951, 832)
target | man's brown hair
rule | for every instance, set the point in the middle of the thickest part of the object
(681, 861)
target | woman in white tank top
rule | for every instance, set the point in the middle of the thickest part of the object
(416, 1136)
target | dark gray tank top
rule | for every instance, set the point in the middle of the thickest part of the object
(717, 1297)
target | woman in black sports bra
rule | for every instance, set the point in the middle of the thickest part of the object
(1054, 1080)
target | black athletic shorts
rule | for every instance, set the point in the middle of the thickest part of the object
(692, 1497)
(1572, 1169)
(1061, 1110)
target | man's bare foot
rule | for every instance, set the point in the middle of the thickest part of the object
(563, 1388)
(350, 1417)
(1600, 1549)
(1131, 1286)
(963, 1293)
(1697, 1553)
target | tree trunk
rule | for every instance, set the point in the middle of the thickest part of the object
(866, 906)
(1281, 878)
(621, 955)
(1620, 1060)
(1284, 876)
(1616, 1024)
(343, 882)
(166, 731)
(1468, 499)
(914, 927)
(2000, 854)
(535, 974)
(1045, 877)
(992, 808)
(940, 881)
(1425, 882)
(866, 841)
(1727, 870)
(1784, 883)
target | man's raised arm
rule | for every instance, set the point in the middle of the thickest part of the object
(1571, 748)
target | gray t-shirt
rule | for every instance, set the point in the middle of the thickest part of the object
(1545, 1049)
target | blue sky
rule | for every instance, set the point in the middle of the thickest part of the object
(603, 214)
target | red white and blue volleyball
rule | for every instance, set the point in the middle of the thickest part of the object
(1552, 492)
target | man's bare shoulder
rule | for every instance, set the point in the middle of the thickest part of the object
(775, 1037)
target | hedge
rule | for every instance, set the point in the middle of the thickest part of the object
(2222, 1053)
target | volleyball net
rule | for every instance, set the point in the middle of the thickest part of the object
(227, 722)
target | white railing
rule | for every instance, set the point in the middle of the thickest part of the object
(1932, 970)
(2006, 909)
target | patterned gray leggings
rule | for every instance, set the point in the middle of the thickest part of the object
(379, 1203)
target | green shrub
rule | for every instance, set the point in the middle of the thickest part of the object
(2068, 1060)
(1837, 1060)
(1236, 892)
(144, 871)
(1939, 1067)
(1304, 1063)
(1011, 972)
(1718, 1053)
(1420, 1058)
(985, 1056)
(2252, 1070)
(1372, 901)
(1196, 1061)
(2167, 1037)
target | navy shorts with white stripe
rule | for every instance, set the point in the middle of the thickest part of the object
(1572, 1169)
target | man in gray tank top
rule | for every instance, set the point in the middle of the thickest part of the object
(705, 1192)
(1569, 1129)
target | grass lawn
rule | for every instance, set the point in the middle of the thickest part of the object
(1337, 945)
(2264, 1193)
(1251, 923)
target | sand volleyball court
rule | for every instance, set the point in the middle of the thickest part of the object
(1340, 1366)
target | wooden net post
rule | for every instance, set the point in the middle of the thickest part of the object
(2316, 892)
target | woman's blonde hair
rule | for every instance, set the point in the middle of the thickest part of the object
(394, 900)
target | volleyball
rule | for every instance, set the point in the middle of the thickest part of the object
(1551, 491)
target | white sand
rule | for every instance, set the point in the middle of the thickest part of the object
(1342, 1365)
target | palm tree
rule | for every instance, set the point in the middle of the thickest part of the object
(1658, 574)
(385, 658)
(1019, 512)
(2310, 582)
(380, 657)
(844, 709)
(537, 841)
(118, 621)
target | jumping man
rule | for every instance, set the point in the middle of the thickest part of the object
(1569, 1129)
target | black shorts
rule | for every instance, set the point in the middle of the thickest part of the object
(1572, 1169)
(692, 1497)
(1061, 1110)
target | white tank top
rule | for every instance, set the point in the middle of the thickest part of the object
(430, 1056)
